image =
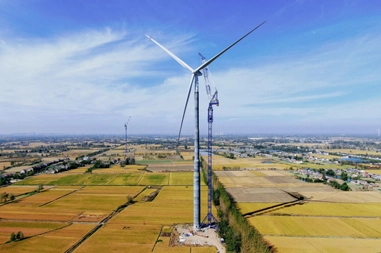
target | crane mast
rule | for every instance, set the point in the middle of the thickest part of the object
(213, 100)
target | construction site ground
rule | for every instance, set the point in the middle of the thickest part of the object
(185, 235)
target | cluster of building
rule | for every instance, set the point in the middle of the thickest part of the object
(354, 176)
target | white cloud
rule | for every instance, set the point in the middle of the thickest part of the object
(327, 86)
(96, 79)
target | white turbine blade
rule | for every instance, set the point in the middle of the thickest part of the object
(171, 54)
(185, 109)
(226, 49)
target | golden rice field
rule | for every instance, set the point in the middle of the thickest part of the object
(187, 155)
(77, 171)
(49, 242)
(18, 190)
(354, 151)
(72, 154)
(81, 198)
(334, 209)
(341, 196)
(257, 162)
(327, 215)
(44, 197)
(317, 227)
(4, 164)
(154, 179)
(96, 200)
(378, 172)
(145, 193)
(129, 178)
(138, 226)
(28, 228)
(16, 212)
(329, 245)
(181, 178)
(254, 206)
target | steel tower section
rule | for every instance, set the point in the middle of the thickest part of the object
(209, 217)
(213, 100)
(196, 173)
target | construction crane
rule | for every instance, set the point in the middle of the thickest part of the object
(213, 100)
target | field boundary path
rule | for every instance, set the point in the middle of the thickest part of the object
(271, 208)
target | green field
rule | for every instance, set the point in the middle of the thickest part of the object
(181, 178)
(154, 179)
(125, 179)
(133, 178)
(153, 161)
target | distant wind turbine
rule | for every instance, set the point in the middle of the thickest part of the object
(125, 126)
(194, 78)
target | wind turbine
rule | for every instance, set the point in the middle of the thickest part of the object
(125, 126)
(194, 78)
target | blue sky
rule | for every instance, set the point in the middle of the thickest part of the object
(86, 66)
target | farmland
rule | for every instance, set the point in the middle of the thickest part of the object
(133, 178)
(136, 227)
(324, 214)
(127, 205)
(259, 162)
(73, 203)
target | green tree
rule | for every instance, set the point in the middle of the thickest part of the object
(344, 176)
(130, 199)
(4, 197)
(216, 197)
(19, 235)
(13, 237)
(344, 187)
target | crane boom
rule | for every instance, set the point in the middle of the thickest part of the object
(205, 71)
